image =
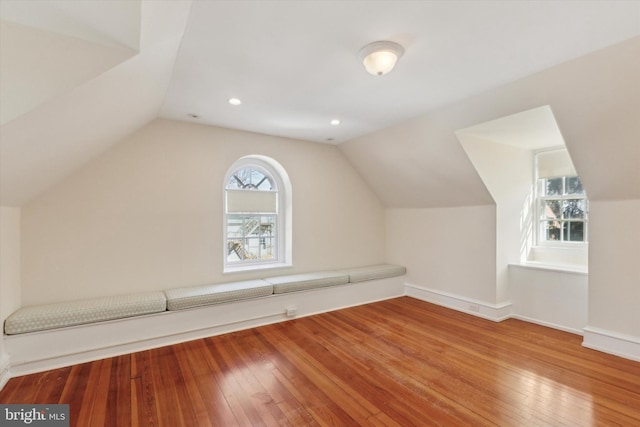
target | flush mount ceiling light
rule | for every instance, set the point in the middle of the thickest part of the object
(380, 57)
(235, 101)
(335, 122)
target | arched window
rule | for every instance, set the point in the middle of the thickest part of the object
(257, 220)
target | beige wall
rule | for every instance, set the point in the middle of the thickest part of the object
(9, 269)
(446, 249)
(147, 214)
(9, 260)
(508, 174)
(614, 266)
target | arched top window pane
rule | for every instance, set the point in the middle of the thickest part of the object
(251, 178)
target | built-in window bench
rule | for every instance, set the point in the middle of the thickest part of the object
(59, 334)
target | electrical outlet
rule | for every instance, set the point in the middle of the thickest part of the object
(291, 311)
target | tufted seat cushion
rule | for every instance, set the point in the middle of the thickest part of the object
(301, 282)
(59, 315)
(196, 296)
(372, 272)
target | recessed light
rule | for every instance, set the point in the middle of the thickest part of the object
(193, 116)
(235, 101)
(335, 122)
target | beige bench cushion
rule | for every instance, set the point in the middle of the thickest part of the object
(59, 315)
(196, 296)
(301, 282)
(372, 272)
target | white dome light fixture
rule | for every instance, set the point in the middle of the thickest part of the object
(380, 57)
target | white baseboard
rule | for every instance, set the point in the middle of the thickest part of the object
(547, 324)
(44, 350)
(609, 342)
(4, 369)
(626, 346)
(494, 312)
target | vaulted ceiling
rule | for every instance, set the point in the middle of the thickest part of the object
(79, 76)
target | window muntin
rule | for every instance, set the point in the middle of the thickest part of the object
(251, 237)
(563, 210)
(251, 178)
(257, 215)
(251, 216)
(562, 203)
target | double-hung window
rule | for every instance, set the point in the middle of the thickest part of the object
(562, 205)
(257, 215)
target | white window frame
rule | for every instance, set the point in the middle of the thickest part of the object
(283, 233)
(556, 251)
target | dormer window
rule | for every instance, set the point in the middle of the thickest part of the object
(562, 203)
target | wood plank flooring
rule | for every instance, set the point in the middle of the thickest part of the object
(400, 362)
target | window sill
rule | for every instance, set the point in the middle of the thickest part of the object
(255, 267)
(560, 268)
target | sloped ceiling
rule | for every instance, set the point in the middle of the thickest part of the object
(38, 65)
(595, 100)
(68, 97)
(529, 130)
(113, 23)
(48, 48)
(79, 76)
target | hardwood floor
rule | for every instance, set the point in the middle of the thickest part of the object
(400, 362)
